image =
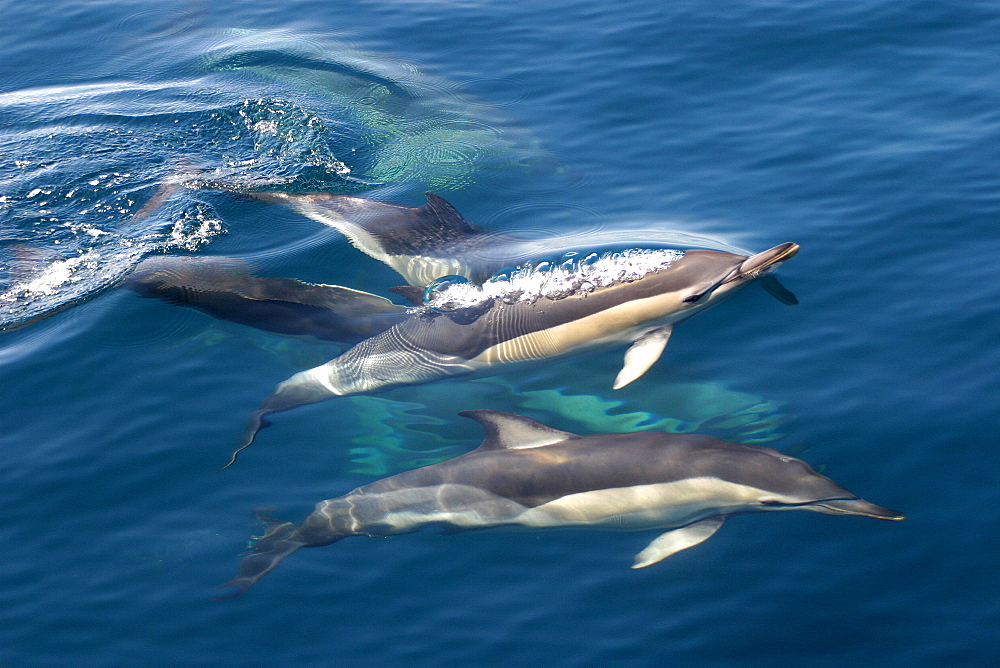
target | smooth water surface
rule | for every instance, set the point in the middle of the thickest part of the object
(869, 133)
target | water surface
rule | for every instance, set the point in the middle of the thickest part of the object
(869, 133)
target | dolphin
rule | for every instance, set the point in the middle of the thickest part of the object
(420, 243)
(424, 243)
(530, 475)
(538, 313)
(226, 289)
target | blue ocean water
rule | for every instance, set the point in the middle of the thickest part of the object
(869, 133)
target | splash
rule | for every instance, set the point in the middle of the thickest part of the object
(572, 275)
(89, 196)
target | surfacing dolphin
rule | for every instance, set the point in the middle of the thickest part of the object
(226, 289)
(534, 314)
(531, 475)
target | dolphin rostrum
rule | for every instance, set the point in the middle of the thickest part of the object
(535, 313)
(531, 475)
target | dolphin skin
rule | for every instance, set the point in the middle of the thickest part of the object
(225, 289)
(530, 475)
(420, 243)
(534, 314)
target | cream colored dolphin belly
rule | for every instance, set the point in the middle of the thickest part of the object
(655, 505)
(619, 324)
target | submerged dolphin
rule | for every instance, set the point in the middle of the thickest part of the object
(225, 289)
(528, 474)
(632, 297)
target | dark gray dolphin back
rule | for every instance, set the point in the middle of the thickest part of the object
(422, 243)
(227, 290)
(536, 474)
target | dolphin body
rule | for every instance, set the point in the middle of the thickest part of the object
(530, 475)
(633, 297)
(420, 243)
(225, 289)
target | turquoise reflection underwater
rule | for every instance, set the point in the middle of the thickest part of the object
(403, 434)
(406, 125)
(73, 229)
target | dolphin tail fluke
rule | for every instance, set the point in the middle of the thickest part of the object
(255, 423)
(299, 390)
(267, 552)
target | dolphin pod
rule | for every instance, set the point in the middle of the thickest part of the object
(530, 475)
(633, 297)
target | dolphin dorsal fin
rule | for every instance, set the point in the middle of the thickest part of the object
(447, 216)
(411, 293)
(507, 431)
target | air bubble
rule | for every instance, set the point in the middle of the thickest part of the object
(568, 262)
(435, 294)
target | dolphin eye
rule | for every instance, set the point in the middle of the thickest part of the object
(771, 502)
(692, 298)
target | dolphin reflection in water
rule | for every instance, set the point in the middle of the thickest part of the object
(530, 475)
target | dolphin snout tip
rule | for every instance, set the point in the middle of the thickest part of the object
(860, 507)
(763, 262)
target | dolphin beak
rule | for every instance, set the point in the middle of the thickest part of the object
(856, 507)
(756, 265)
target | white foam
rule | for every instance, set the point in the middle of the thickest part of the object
(56, 275)
(571, 277)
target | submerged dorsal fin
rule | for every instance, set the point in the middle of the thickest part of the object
(447, 215)
(411, 293)
(507, 431)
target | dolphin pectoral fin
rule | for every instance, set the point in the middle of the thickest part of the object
(676, 540)
(774, 288)
(268, 551)
(642, 355)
